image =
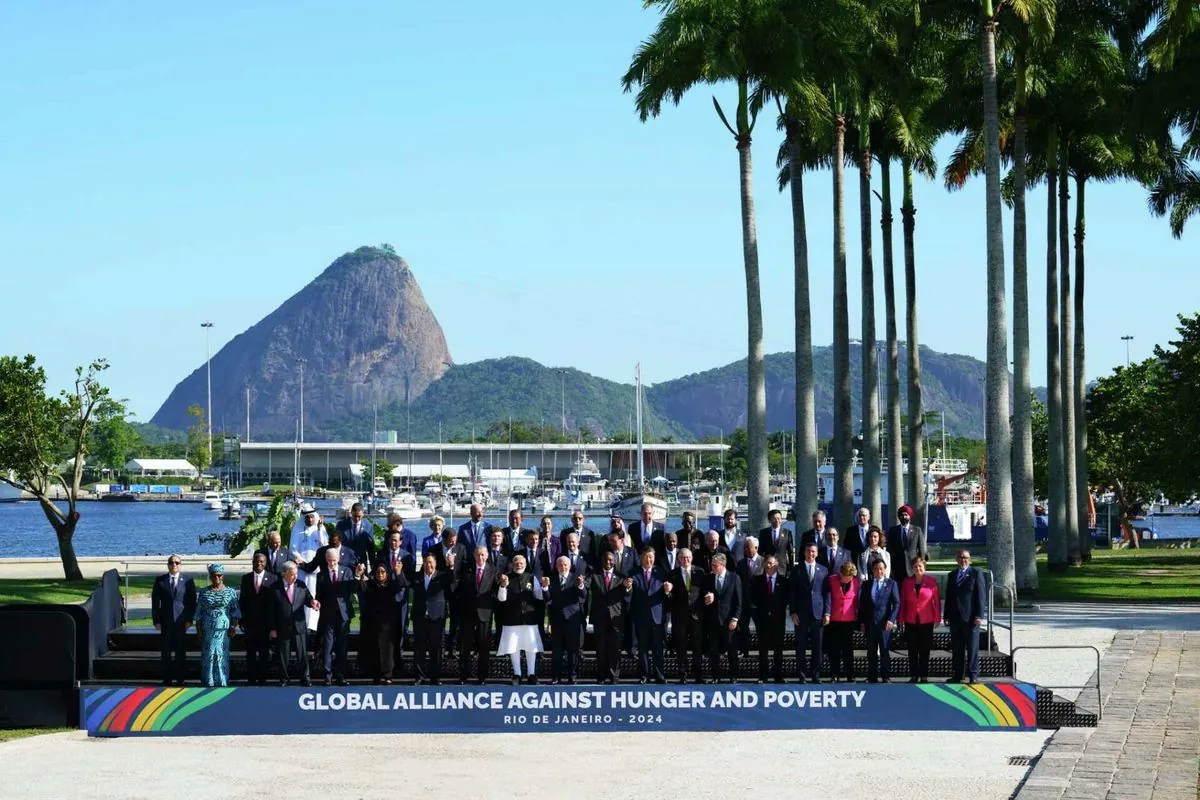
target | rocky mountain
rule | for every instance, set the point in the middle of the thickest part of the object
(360, 330)
(709, 402)
(474, 396)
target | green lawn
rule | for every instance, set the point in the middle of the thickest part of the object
(57, 590)
(1158, 575)
(22, 733)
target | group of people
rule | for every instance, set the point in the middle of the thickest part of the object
(464, 589)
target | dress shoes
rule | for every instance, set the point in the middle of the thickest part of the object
(306, 682)
(531, 680)
(341, 681)
(570, 681)
(886, 680)
(328, 682)
(516, 681)
(914, 679)
(641, 680)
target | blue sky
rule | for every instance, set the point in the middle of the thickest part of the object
(163, 164)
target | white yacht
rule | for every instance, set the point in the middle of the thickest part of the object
(405, 504)
(212, 501)
(539, 505)
(584, 485)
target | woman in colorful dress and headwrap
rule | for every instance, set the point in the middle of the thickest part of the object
(216, 615)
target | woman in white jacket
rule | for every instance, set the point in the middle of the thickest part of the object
(308, 535)
(876, 551)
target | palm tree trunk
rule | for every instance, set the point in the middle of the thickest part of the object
(843, 467)
(870, 356)
(806, 407)
(1024, 543)
(916, 405)
(1057, 549)
(999, 433)
(1080, 398)
(895, 450)
(1067, 378)
(756, 411)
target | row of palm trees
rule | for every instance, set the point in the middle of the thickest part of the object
(1061, 91)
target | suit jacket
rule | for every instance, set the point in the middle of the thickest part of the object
(405, 563)
(467, 537)
(643, 539)
(920, 604)
(609, 604)
(727, 603)
(346, 558)
(462, 556)
(360, 538)
(626, 564)
(738, 548)
(784, 551)
(854, 539)
(704, 557)
(903, 549)
(687, 602)
(810, 536)
(274, 563)
(581, 566)
(964, 599)
(337, 599)
(480, 599)
(429, 603)
(844, 603)
(587, 542)
(647, 601)
(515, 539)
(834, 564)
(162, 601)
(888, 608)
(692, 540)
(769, 608)
(809, 599)
(287, 619)
(746, 570)
(256, 606)
(499, 560)
(567, 603)
(662, 562)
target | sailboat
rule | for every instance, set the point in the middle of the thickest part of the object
(629, 507)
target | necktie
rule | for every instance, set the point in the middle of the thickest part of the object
(495, 556)
(174, 584)
(478, 577)
(335, 576)
(771, 585)
(647, 573)
(393, 562)
(257, 583)
(289, 592)
(572, 561)
(720, 581)
(671, 559)
(608, 580)
(962, 575)
(810, 573)
(687, 579)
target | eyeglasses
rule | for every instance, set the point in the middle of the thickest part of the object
(174, 563)
(964, 558)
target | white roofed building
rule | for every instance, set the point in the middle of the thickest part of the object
(161, 467)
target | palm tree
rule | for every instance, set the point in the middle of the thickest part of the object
(999, 433)
(869, 361)
(843, 463)
(1058, 548)
(895, 449)
(1067, 353)
(708, 42)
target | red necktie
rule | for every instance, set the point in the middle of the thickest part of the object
(608, 581)
(478, 577)
(289, 592)
(393, 562)
(335, 576)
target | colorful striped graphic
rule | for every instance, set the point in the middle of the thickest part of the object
(145, 710)
(995, 705)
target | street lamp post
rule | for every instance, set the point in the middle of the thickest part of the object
(1127, 339)
(563, 375)
(302, 362)
(208, 367)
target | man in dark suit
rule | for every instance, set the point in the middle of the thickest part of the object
(770, 603)
(499, 550)
(172, 609)
(666, 557)
(346, 558)
(647, 612)
(475, 532)
(545, 551)
(275, 553)
(689, 535)
(815, 534)
(723, 607)
(514, 534)
(831, 555)
(398, 561)
(965, 588)
(904, 543)
(646, 532)
(359, 535)
(337, 587)
(432, 592)
(610, 601)
(587, 537)
(624, 559)
(579, 561)
(687, 611)
(809, 602)
(857, 538)
(776, 540)
(255, 601)
(568, 598)
(879, 605)
(289, 630)
(452, 556)
(712, 548)
(476, 605)
(605, 543)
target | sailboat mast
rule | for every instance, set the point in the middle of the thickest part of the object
(641, 456)
(374, 440)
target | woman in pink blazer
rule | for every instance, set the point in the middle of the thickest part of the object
(920, 609)
(843, 621)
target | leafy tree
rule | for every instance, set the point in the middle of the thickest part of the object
(38, 432)
(114, 440)
(197, 438)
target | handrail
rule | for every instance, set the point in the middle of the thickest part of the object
(1093, 648)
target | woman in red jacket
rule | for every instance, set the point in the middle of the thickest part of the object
(843, 621)
(920, 609)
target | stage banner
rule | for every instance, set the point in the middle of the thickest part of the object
(131, 711)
